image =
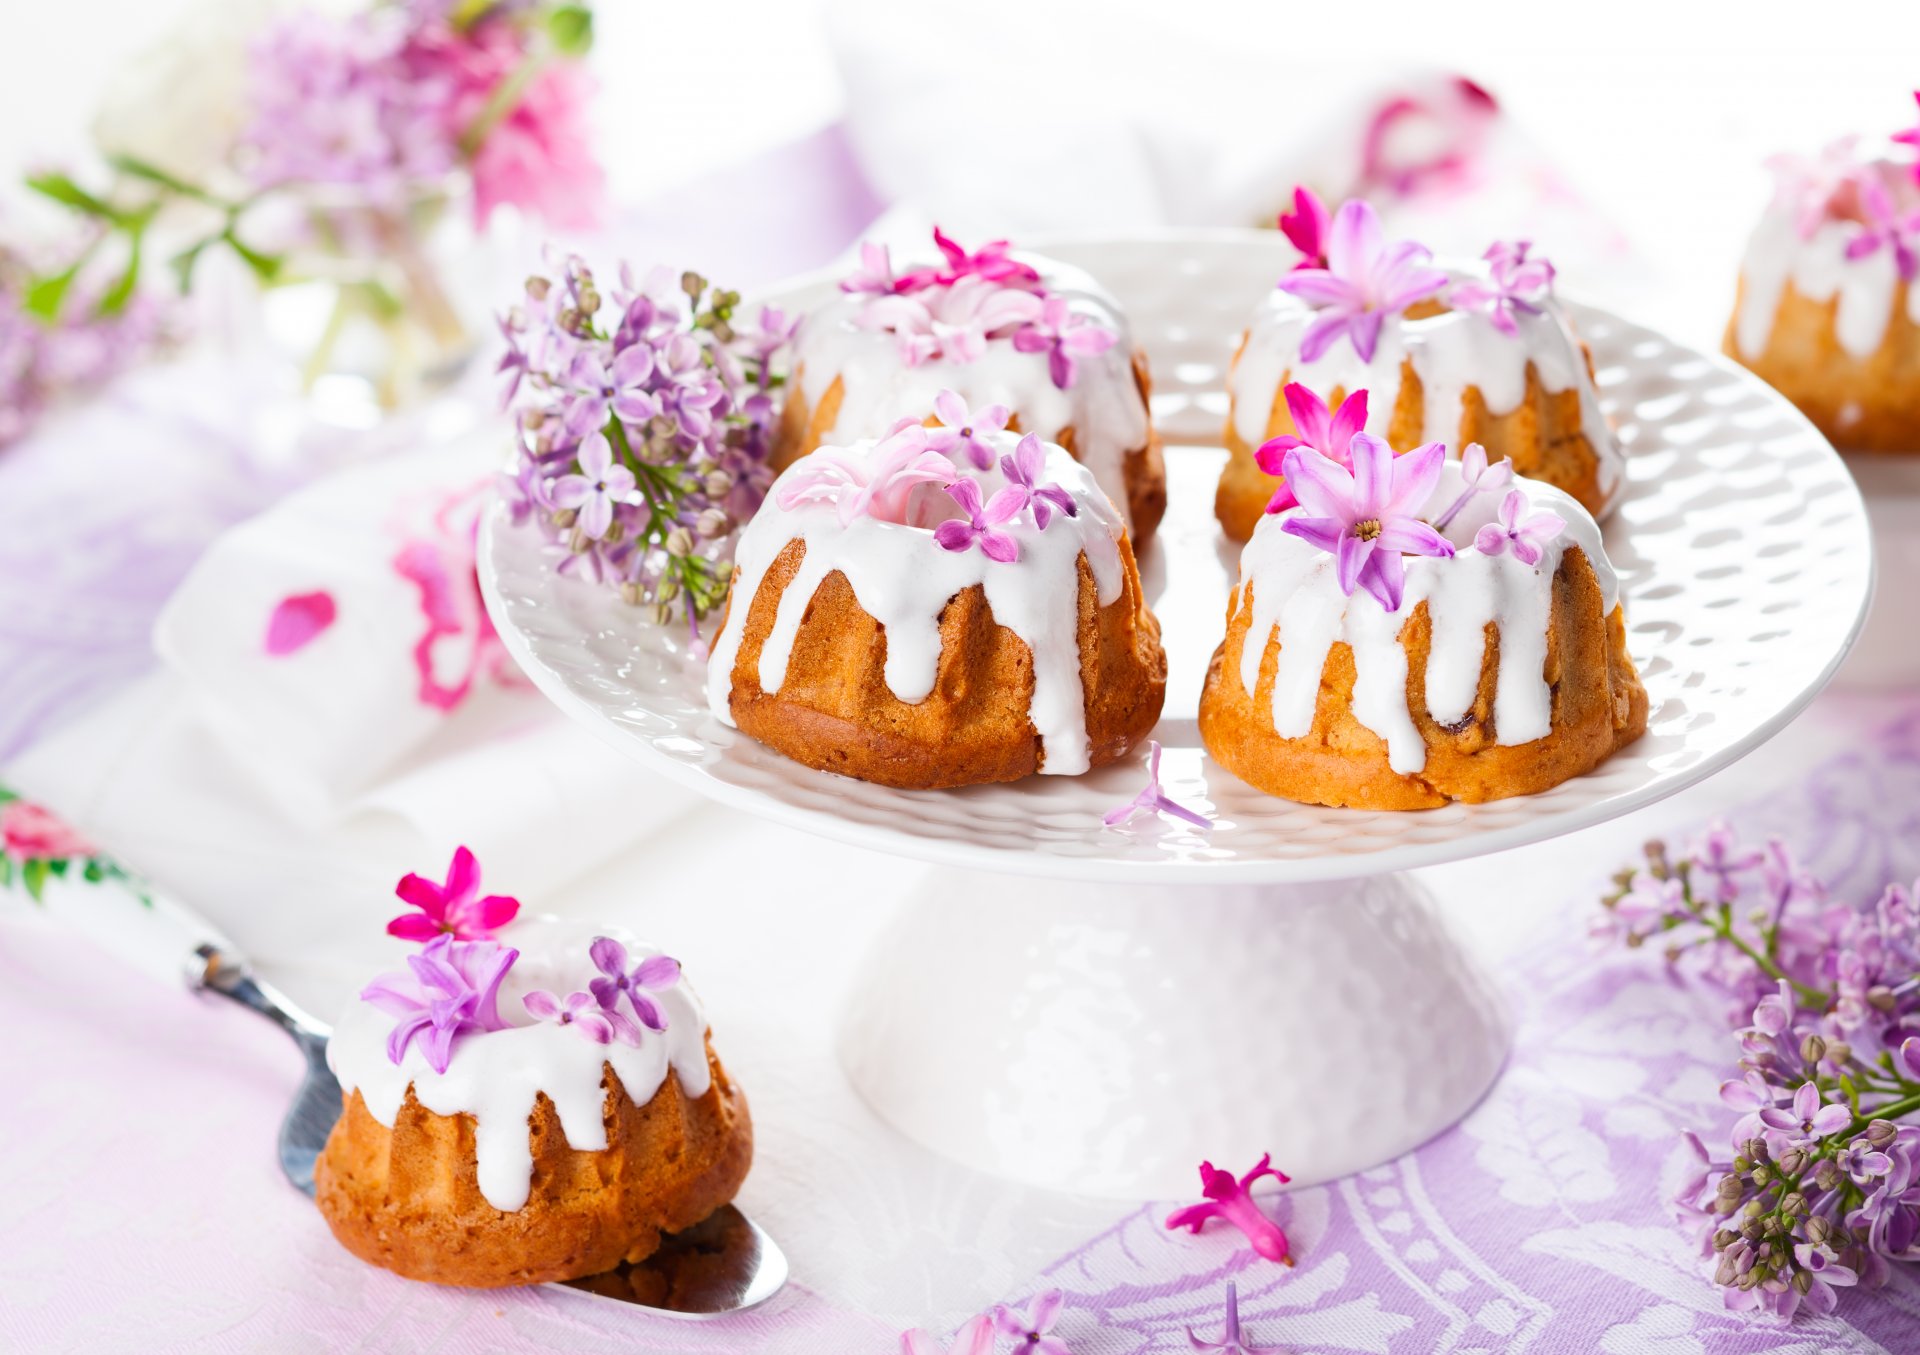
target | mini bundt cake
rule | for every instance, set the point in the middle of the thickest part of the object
(1026, 343)
(1480, 355)
(926, 619)
(525, 1110)
(1827, 312)
(1414, 631)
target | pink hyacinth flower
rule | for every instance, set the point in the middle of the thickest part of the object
(1063, 336)
(451, 990)
(1032, 1330)
(975, 1338)
(963, 428)
(1911, 137)
(454, 908)
(878, 485)
(1887, 226)
(1526, 535)
(982, 524)
(874, 276)
(1366, 280)
(1367, 517)
(973, 311)
(1327, 432)
(1230, 1200)
(1307, 226)
(992, 262)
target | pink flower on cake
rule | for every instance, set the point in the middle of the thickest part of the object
(1478, 478)
(1887, 226)
(654, 974)
(1232, 1201)
(1315, 426)
(982, 525)
(450, 991)
(1153, 800)
(589, 1019)
(31, 833)
(453, 909)
(965, 316)
(909, 320)
(1032, 1330)
(874, 276)
(963, 427)
(1517, 287)
(1366, 517)
(1911, 137)
(597, 490)
(1022, 471)
(1526, 535)
(1306, 226)
(879, 484)
(975, 1338)
(1365, 280)
(1063, 336)
(993, 262)
(1819, 188)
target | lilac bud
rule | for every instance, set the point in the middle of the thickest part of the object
(1794, 1205)
(565, 517)
(1793, 1163)
(1818, 1229)
(1802, 1281)
(538, 287)
(713, 523)
(1813, 1049)
(1881, 998)
(1839, 1053)
(632, 594)
(679, 542)
(1881, 1132)
(718, 484)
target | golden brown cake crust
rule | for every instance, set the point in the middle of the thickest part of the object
(835, 712)
(1862, 405)
(1598, 706)
(1543, 434)
(1144, 471)
(408, 1199)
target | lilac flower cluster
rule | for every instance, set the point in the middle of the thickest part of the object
(645, 417)
(1820, 1187)
(71, 346)
(953, 311)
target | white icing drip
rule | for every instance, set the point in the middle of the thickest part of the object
(1294, 587)
(903, 580)
(1819, 269)
(1450, 352)
(495, 1077)
(1102, 406)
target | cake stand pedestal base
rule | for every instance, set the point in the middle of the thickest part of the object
(1104, 1039)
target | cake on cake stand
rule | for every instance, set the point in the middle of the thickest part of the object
(1096, 1009)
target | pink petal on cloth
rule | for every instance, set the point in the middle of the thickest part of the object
(298, 621)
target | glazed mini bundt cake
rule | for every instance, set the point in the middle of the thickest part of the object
(539, 1107)
(1828, 313)
(1413, 630)
(1460, 355)
(1025, 343)
(926, 618)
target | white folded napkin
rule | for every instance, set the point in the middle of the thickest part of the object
(329, 665)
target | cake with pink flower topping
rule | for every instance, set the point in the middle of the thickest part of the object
(526, 1100)
(1027, 345)
(939, 607)
(1828, 313)
(1409, 630)
(1474, 354)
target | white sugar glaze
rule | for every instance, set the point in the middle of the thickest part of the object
(1292, 587)
(1449, 352)
(1102, 406)
(495, 1077)
(1819, 269)
(904, 580)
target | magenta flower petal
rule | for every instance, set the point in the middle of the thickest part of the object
(413, 927)
(1322, 532)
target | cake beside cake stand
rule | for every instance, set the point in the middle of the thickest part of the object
(1097, 1010)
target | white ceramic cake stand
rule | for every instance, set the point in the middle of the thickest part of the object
(1098, 1010)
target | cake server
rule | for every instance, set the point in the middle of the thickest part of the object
(724, 1265)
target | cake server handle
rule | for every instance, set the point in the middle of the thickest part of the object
(92, 896)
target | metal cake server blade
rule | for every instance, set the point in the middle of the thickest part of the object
(724, 1265)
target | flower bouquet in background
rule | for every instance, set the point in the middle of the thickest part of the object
(349, 141)
(645, 417)
(1819, 1187)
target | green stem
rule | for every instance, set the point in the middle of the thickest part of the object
(1893, 1110)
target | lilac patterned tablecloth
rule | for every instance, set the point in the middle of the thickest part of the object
(140, 1209)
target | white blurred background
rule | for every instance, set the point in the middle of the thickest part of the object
(1109, 115)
